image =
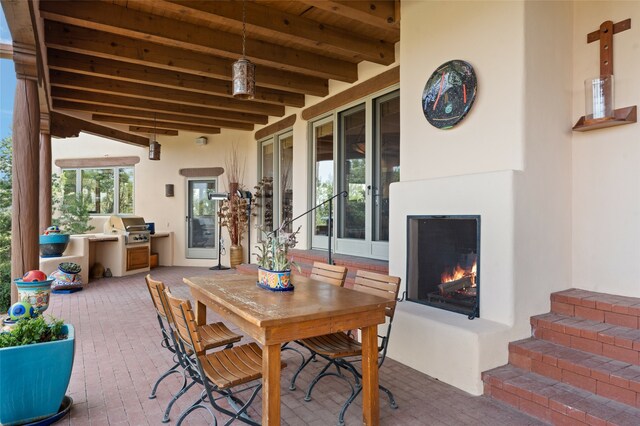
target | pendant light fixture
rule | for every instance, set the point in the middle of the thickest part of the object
(154, 147)
(244, 71)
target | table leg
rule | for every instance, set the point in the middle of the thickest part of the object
(370, 394)
(271, 385)
(201, 313)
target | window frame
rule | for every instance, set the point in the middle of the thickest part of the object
(116, 186)
(379, 249)
(276, 140)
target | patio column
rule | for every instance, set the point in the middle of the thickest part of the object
(45, 174)
(25, 180)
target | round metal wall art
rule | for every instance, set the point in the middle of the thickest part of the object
(449, 94)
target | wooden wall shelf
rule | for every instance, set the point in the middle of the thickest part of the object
(626, 115)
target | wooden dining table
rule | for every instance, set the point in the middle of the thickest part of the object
(272, 318)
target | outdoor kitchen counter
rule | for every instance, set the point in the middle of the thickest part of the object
(162, 245)
(96, 238)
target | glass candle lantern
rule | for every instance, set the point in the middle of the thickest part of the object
(599, 103)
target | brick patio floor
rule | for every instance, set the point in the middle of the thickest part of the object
(118, 358)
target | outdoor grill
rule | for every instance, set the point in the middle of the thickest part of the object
(133, 228)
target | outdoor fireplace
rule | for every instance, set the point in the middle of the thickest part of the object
(443, 262)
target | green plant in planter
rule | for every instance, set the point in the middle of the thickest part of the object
(273, 249)
(40, 352)
(32, 330)
(70, 267)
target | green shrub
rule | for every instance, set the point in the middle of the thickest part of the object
(5, 286)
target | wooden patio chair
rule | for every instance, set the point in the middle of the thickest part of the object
(332, 274)
(342, 350)
(219, 372)
(215, 335)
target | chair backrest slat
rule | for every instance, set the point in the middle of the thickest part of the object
(184, 320)
(381, 285)
(156, 289)
(332, 274)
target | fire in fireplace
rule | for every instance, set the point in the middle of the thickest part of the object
(443, 254)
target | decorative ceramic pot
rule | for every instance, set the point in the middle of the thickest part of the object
(235, 255)
(63, 280)
(275, 280)
(26, 399)
(53, 245)
(36, 293)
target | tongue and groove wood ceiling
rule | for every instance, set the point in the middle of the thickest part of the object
(166, 65)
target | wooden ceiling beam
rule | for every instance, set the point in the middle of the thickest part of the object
(153, 105)
(377, 13)
(132, 112)
(270, 23)
(153, 131)
(110, 46)
(150, 123)
(6, 51)
(65, 126)
(91, 65)
(184, 35)
(144, 91)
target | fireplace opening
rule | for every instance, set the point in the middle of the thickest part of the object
(443, 262)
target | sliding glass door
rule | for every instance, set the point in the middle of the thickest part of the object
(366, 152)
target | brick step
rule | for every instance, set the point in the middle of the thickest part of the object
(614, 341)
(601, 307)
(553, 401)
(597, 374)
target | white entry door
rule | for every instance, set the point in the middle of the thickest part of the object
(201, 220)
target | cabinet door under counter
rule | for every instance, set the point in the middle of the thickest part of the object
(137, 257)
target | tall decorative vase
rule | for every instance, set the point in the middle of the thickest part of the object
(36, 293)
(236, 255)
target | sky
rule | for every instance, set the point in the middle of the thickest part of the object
(7, 83)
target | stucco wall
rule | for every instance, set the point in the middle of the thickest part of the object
(490, 36)
(543, 189)
(606, 177)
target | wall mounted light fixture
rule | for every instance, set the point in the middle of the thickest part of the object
(600, 108)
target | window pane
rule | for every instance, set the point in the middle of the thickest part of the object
(323, 174)
(97, 188)
(286, 181)
(353, 155)
(387, 161)
(68, 183)
(267, 193)
(125, 197)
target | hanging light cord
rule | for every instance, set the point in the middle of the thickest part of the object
(244, 27)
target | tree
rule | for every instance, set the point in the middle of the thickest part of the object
(6, 155)
(72, 213)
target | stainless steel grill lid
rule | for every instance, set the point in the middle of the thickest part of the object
(119, 224)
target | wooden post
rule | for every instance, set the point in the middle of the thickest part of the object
(45, 181)
(271, 385)
(24, 226)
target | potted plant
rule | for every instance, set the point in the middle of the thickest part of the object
(36, 358)
(274, 265)
(233, 212)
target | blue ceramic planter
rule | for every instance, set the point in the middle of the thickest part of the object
(34, 379)
(53, 245)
